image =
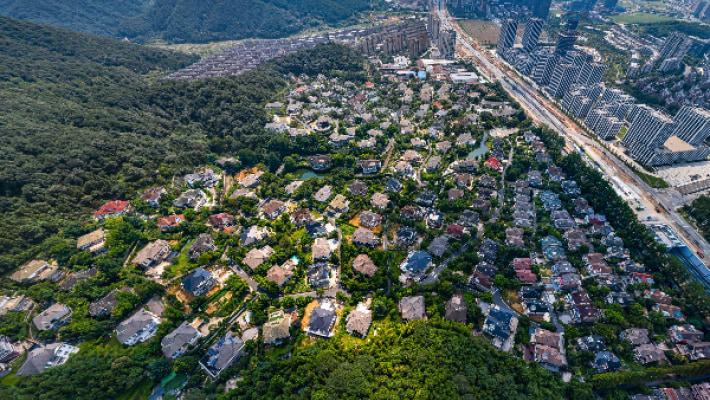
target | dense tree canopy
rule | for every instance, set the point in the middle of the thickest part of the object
(82, 124)
(182, 21)
(416, 360)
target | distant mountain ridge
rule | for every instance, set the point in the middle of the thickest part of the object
(187, 21)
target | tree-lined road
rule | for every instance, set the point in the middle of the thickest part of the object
(544, 112)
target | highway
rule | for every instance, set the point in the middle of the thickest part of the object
(544, 112)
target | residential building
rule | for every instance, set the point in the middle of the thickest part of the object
(114, 208)
(193, 198)
(106, 304)
(364, 237)
(203, 243)
(364, 265)
(93, 242)
(606, 361)
(549, 357)
(44, 357)
(318, 275)
(563, 77)
(170, 222)
(456, 310)
(380, 200)
(152, 196)
(508, 33)
(500, 325)
(152, 254)
(322, 320)
(412, 308)
(273, 209)
(277, 328)
(370, 166)
(222, 354)
(357, 188)
(438, 246)
(565, 42)
(255, 257)
(339, 205)
(8, 352)
(531, 35)
(253, 235)
(199, 282)
(139, 327)
(323, 194)
(281, 274)
(319, 162)
(34, 271)
(359, 320)
(207, 178)
(676, 45)
(175, 343)
(54, 317)
(545, 66)
(692, 125)
(685, 334)
(649, 352)
(591, 73)
(650, 130)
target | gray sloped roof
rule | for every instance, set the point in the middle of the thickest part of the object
(37, 360)
(177, 339)
(321, 321)
(46, 318)
(221, 355)
(126, 329)
(412, 308)
(105, 305)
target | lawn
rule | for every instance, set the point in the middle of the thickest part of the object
(10, 380)
(347, 230)
(485, 32)
(641, 18)
(651, 180)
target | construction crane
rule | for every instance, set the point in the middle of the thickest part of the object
(580, 23)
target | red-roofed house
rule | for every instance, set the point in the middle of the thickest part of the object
(171, 221)
(494, 163)
(640, 277)
(454, 230)
(526, 276)
(152, 196)
(114, 208)
(522, 264)
(221, 221)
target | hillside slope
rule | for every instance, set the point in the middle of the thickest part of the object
(100, 17)
(83, 123)
(187, 21)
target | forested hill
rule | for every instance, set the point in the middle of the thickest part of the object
(38, 52)
(82, 123)
(414, 361)
(100, 17)
(188, 21)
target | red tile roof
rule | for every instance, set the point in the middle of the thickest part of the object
(454, 230)
(170, 221)
(112, 207)
(522, 263)
(493, 163)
